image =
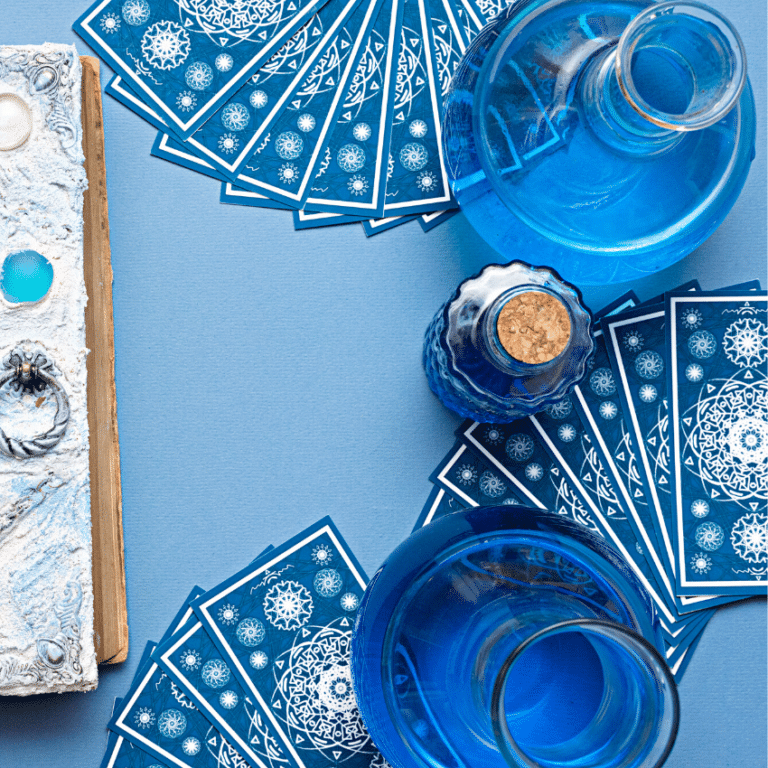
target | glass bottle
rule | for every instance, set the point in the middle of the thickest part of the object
(608, 139)
(511, 341)
(510, 636)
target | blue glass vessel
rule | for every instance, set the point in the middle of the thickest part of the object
(511, 636)
(465, 358)
(607, 139)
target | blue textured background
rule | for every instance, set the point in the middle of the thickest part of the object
(266, 377)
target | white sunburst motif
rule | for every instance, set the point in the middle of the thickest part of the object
(466, 474)
(228, 614)
(288, 605)
(349, 601)
(358, 185)
(190, 660)
(699, 507)
(235, 117)
(288, 173)
(491, 485)
(709, 536)
(426, 181)
(289, 145)
(649, 364)
(691, 319)
(144, 717)
(746, 342)
(694, 372)
(418, 129)
(567, 433)
(413, 156)
(258, 99)
(186, 101)
(322, 554)
(602, 382)
(702, 344)
(648, 393)
(328, 582)
(362, 131)
(228, 699)
(519, 447)
(608, 410)
(190, 746)
(493, 435)
(350, 158)
(701, 563)
(534, 471)
(228, 143)
(109, 23)
(749, 537)
(198, 76)
(136, 12)
(172, 723)
(223, 62)
(633, 341)
(258, 660)
(250, 632)
(215, 673)
(306, 123)
(165, 45)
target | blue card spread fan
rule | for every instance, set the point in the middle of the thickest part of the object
(329, 108)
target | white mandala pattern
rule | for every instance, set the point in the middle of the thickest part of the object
(691, 319)
(426, 181)
(358, 185)
(648, 393)
(186, 101)
(746, 342)
(144, 717)
(699, 507)
(322, 554)
(709, 536)
(306, 122)
(258, 99)
(228, 614)
(649, 364)
(234, 21)
(258, 660)
(493, 435)
(350, 158)
(190, 746)
(694, 372)
(328, 582)
(190, 660)
(215, 673)
(223, 62)
(534, 471)
(314, 695)
(235, 117)
(165, 45)
(567, 433)
(701, 563)
(749, 537)
(171, 723)
(136, 12)
(559, 410)
(602, 382)
(491, 485)
(414, 156)
(519, 447)
(250, 632)
(288, 173)
(633, 341)
(702, 344)
(608, 410)
(289, 145)
(349, 601)
(362, 131)
(110, 23)
(228, 699)
(198, 76)
(288, 605)
(418, 129)
(228, 143)
(466, 474)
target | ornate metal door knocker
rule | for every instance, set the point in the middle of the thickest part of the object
(33, 372)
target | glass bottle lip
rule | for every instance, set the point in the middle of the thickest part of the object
(623, 635)
(710, 109)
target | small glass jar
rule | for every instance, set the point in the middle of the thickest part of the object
(509, 636)
(511, 341)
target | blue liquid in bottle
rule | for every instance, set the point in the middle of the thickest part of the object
(605, 139)
(496, 605)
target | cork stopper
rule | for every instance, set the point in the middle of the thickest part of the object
(533, 327)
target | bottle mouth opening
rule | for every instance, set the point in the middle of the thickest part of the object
(621, 710)
(681, 65)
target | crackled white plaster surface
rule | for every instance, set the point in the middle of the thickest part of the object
(46, 596)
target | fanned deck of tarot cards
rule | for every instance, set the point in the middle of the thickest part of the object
(329, 108)
(662, 450)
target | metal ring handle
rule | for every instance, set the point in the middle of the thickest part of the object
(21, 369)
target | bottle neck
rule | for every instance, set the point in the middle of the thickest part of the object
(678, 67)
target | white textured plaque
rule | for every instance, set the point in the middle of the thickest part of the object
(46, 596)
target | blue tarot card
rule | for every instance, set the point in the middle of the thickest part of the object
(416, 178)
(439, 504)
(471, 21)
(448, 43)
(429, 221)
(177, 152)
(121, 753)
(376, 226)
(516, 451)
(117, 89)
(310, 220)
(207, 49)
(233, 195)
(159, 718)
(304, 595)
(193, 661)
(487, 10)
(718, 391)
(352, 175)
(473, 481)
(284, 162)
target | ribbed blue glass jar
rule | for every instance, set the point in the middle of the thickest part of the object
(508, 636)
(606, 138)
(467, 364)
